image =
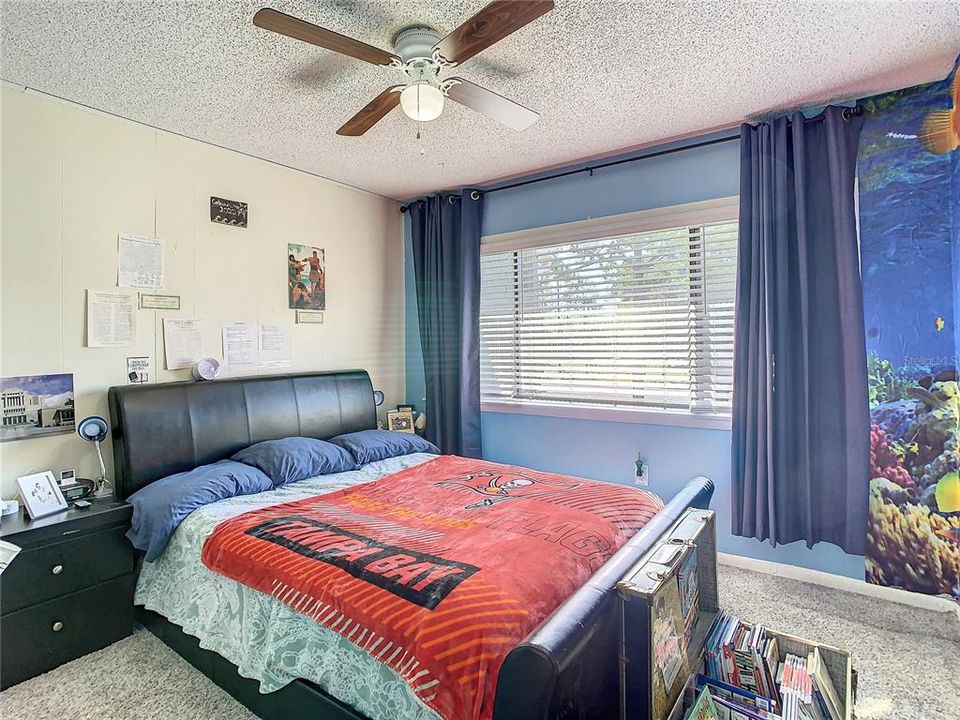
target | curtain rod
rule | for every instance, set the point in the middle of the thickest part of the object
(848, 112)
(600, 166)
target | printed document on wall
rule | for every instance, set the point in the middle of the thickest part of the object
(275, 343)
(240, 343)
(111, 318)
(140, 262)
(182, 343)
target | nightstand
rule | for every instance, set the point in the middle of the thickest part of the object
(69, 591)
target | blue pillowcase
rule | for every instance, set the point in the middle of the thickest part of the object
(296, 458)
(160, 507)
(372, 445)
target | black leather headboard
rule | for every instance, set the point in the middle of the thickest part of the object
(167, 428)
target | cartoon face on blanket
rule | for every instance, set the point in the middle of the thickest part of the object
(436, 571)
(503, 485)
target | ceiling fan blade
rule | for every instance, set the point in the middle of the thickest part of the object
(290, 26)
(492, 24)
(486, 102)
(373, 113)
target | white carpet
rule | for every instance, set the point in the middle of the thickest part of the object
(138, 678)
(908, 660)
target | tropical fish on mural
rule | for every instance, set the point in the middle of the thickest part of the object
(940, 131)
(948, 493)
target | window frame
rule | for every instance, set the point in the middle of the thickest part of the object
(720, 210)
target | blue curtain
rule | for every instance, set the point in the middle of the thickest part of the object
(801, 429)
(445, 233)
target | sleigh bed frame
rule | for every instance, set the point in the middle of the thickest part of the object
(566, 668)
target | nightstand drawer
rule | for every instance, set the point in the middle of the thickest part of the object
(44, 636)
(59, 568)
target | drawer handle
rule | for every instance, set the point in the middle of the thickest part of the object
(57, 569)
(57, 626)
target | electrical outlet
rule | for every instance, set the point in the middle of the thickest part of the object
(641, 471)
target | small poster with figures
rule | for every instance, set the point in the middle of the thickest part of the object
(306, 277)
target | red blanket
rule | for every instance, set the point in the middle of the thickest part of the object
(437, 571)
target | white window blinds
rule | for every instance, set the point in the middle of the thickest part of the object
(640, 321)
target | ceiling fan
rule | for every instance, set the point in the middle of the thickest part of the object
(422, 54)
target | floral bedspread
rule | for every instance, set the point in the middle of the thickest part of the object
(267, 640)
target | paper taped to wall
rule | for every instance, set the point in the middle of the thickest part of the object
(182, 343)
(111, 318)
(244, 343)
(140, 262)
(275, 343)
(240, 343)
(138, 370)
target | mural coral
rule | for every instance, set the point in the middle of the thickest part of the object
(912, 547)
(910, 262)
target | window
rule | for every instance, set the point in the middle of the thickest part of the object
(638, 320)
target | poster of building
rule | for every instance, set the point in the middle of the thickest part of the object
(36, 405)
(306, 277)
(909, 175)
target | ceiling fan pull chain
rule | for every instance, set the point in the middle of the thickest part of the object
(419, 121)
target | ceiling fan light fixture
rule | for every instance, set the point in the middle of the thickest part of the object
(421, 101)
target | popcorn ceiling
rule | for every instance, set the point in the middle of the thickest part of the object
(603, 75)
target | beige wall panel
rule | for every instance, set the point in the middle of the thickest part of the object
(30, 235)
(74, 179)
(176, 224)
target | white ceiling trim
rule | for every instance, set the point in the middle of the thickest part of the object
(86, 108)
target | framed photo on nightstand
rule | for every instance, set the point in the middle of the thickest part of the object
(41, 494)
(400, 421)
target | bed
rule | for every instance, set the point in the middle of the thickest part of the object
(259, 650)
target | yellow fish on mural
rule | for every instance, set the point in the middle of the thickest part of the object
(948, 493)
(939, 323)
(940, 132)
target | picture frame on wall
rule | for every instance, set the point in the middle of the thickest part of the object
(306, 277)
(400, 421)
(41, 494)
(36, 406)
(228, 212)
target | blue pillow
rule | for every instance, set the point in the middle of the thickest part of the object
(160, 507)
(372, 445)
(296, 458)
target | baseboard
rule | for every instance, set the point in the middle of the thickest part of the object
(838, 582)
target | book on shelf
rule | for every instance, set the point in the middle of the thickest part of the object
(824, 689)
(743, 656)
(807, 690)
(744, 673)
(721, 690)
(704, 708)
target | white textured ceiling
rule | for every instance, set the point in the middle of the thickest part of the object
(604, 75)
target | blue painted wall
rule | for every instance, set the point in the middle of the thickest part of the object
(606, 450)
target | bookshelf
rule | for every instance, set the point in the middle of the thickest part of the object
(669, 609)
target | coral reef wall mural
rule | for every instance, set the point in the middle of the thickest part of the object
(909, 174)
